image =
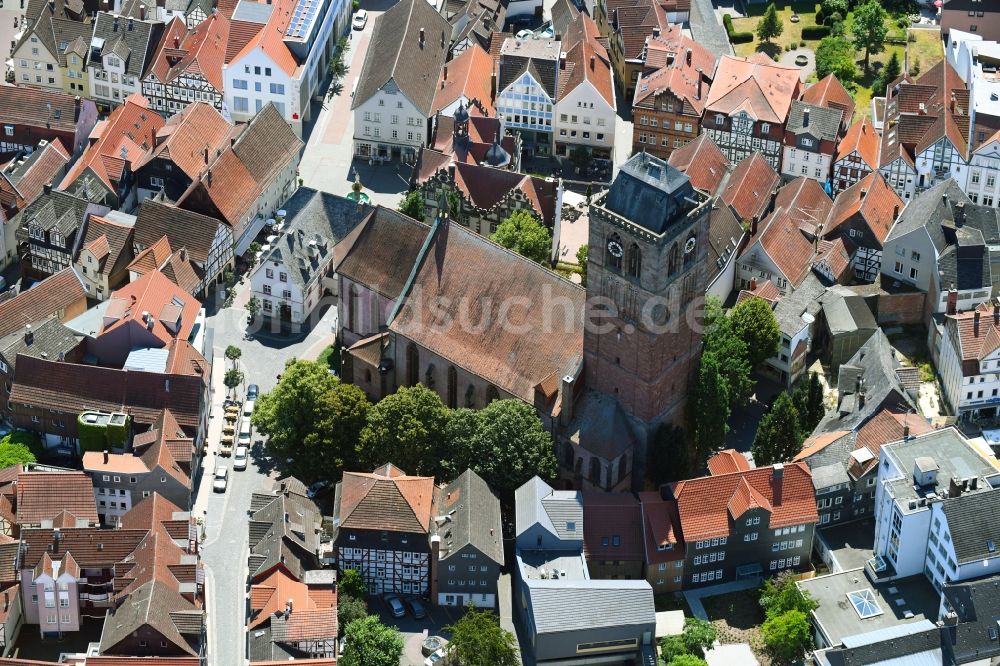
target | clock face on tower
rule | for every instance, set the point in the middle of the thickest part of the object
(689, 245)
(615, 249)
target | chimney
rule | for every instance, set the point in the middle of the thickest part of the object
(288, 608)
(700, 77)
(805, 117)
(451, 172)
(206, 154)
(906, 431)
(656, 32)
(944, 198)
(566, 399)
(184, 254)
(996, 314)
(444, 74)
(777, 480)
(105, 456)
(687, 57)
(958, 212)
(895, 211)
(952, 300)
(592, 59)
(142, 12)
(562, 60)
(29, 336)
(47, 188)
(421, 38)
(753, 225)
(55, 536)
(210, 178)
(435, 565)
(753, 284)
(975, 324)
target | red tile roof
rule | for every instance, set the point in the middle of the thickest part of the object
(702, 162)
(269, 39)
(803, 199)
(878, 204)
(186, 136)
(636, 21)
(831, 94)
(50, 296)
(764, 290)
(885, 427)
(386, 499)
(469, 75)
(612, 526)
(128, 131)
(750, 186)
(43, 495)
(705, 505)
(728, 461)
(172, 310)
(661, 528)
(152, 661)
(35, 107)
(860, 137)
(196, 52)
(757, 85)
(271, 596)
(590, 59)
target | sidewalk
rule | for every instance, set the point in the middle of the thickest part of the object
(215, 421)
(694, 597)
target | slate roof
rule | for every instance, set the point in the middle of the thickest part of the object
(971, 525)
(395, 54)
(651, 194)
(459, 267)
(824, 124)
(48, 297)
(315, 221)
(977, 604)
(56, 210)
(133, 39)
(539, 58)
(43, 19)
(596, 604)
(29, 178)
(724, 234)
(380, 252)
(386, 499)
(111, 244)
(706, 504)
(476, 521)
(757, 85)
(560, 512)
(750, 187)
(285, 530)
(152, 605)
(928, 209)
(49, 339)
(702, 162)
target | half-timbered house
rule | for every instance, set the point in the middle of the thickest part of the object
(187, 66)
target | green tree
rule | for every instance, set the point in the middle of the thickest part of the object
(582, 255)
(26, 439)
(524, 234)
(687, 660)
(477, 639)
(779, 435)
(672, 647)
(868, 29)
(312, 418)
(708, 406)
(734, 357)
(505, 443)
(253, 306)
(835, 6)
(698, 636)
(15, 454)
(769, 26)
(787, 636)
(413, 205)
(808, 400)
(753, 322)
(835, 55)
(233, 353)
(406, 429)
(669, 459)
(232, 379)
(350, 609)
(780, 594)
(352, 583)
(371, 643)
(890, 71)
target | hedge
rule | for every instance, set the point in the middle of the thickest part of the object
(815, 32)
(728, 22)
(735, 37)
(820, 14)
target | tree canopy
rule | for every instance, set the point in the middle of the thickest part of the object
(779, 434)
(754, 323)
(523, 233)
(477, 639)
(787, 636)
(733, 354)
(413, 205)
(835, 55)
(581, 258)
(15, 454)
(687, 660)
(708, 406)
(405, 428)
(769, 26)
(371, 643)
(808, 400)
(868, 29)
(780, 594)
(349, 609)
(352, 583)
(233, 353)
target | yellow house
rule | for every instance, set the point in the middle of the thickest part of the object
(52, 49)
(75, 68)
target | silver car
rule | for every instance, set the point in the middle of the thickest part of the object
(240, 458)
(221, 480)
(395, 605)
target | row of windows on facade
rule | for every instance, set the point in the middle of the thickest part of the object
(273, 88)
(393, 119)
(563, 117)
(678, 125)
(394, 134)
(381, 555)
(585, 135)
(665, 141)
(242, 105)
(117, 479)
(284, 294)
(784, 563)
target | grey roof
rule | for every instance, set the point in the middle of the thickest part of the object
(724, 233)
(134, 37)
(824, 123)
(316, 221)
(537, 57)
(563, 12)
(536, 502)
(253, 12)
(395, 54)
(49, 339)
(285, 530)
(966, 268)
(927, 210)
(846, 312)
(263, 646)
(476, 521)
(977, 604)
(67, 31)
(972, 522)
(805, 299)
(651, 194)
(563, 605)
(56, 210)
(954, 457)
(875, 365)
(151, 605)
(917, 644)
(830, 475)
(601, 426)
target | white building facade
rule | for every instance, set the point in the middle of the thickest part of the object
(389, 126)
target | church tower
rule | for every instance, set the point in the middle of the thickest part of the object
(646, 278)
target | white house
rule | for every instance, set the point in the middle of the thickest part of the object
(121, 49)
(926, 484)
(395, 93)
(285, 69)
(969, 362)
(527, 89)
(983, 182)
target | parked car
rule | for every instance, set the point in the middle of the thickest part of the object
(316, 488)
(360, 20)
(248, 409)
(240, 459)
(437, 658)
(395, 605)
(246, 433)
(416, 607)
(253, 392)
(221, 479)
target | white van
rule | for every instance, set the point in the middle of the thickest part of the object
(246, 432)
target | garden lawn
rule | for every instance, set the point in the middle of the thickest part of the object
(737, 617)
(926, 48)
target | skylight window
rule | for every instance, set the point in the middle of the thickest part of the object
(864, 603)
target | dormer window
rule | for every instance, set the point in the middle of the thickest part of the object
(570, 526)
(36, 232)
